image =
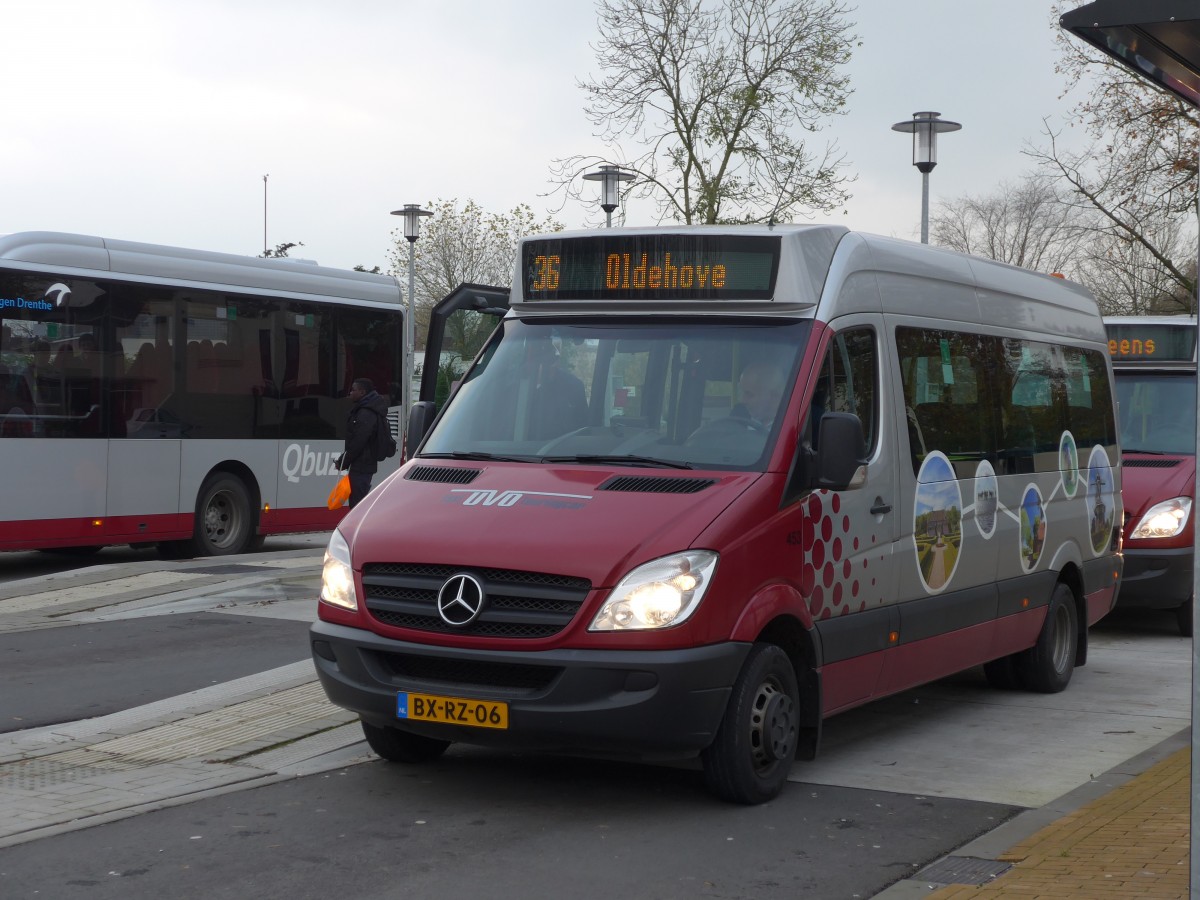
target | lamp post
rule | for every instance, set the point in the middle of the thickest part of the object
(412, 214)
(925, 127)
(610, 188)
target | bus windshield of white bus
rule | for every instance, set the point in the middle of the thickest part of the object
(686, 393)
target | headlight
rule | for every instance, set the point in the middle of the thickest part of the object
(337, 578)
(1163, 520)
(658, 594)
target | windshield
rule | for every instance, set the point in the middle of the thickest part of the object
(1158, 412)
(679, 393)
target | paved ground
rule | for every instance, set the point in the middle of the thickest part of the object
(1123, 833)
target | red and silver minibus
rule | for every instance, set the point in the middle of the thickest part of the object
(705, 487)
(188, 399)
(1154, 363)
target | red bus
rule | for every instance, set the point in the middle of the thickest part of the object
(1154, 362)
(705, 487)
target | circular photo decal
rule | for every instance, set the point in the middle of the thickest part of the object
(1033, 527)
(1101, 504)
(937, 522)
(1068, 463)
(987, 500)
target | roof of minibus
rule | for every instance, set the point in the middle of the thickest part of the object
(819, 258)
(156, 264)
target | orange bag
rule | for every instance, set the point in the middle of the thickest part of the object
(340, 493)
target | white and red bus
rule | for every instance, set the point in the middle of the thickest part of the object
(705, 487)
(194, 400)
(1154, 362)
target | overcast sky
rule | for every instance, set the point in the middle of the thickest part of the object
(156, 120)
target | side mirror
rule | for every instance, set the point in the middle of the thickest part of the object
(841, 452)
(420, 417)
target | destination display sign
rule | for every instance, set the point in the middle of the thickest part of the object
(651, 267)
(1152, 341)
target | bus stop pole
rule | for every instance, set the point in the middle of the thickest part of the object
(1194, 818)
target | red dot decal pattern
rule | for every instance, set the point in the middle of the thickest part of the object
(830, 582)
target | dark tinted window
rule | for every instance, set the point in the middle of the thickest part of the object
(975, 397)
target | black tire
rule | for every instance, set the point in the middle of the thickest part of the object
(225, 521)
(1002, 673)
(399, 746)
(1183, 616)
(752, 754)
(1047, 666)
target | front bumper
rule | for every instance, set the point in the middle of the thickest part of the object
(1156, 579)
(631, 702)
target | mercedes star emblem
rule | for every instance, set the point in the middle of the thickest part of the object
(460, 600)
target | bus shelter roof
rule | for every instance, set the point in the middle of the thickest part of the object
(1158, 39)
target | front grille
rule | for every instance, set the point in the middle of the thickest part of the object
(438, 670)
(523, 605)
(1150, 463)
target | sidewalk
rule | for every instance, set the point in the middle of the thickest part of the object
(1132, 842)
(243, 733)
(1124, 835)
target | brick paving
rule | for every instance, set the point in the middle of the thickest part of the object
(1131, 843)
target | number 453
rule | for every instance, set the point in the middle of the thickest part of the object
(545, 273)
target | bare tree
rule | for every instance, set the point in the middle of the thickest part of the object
(1138, 173)
(1031, 224)
(459, 246)
(721, 96)
(1129, 279)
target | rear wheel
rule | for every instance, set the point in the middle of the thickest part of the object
(1047, 666)
(752, 754)
(224, 518)
(395, 745)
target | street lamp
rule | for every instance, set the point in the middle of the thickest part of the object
(610, 189)
(412, 213)
(925, 127)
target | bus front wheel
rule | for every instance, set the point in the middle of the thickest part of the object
(224, 517)
(395, 745)
(751, 756)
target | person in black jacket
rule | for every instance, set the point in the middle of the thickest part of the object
(367, 415)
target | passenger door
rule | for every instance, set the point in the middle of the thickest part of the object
(851, 565)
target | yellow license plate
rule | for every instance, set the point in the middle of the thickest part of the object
(452, 710)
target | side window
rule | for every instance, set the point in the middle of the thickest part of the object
(1030, 409)
(54, 350)
(1089, 400)
(146, 335)
(847, 382)
(948, 395)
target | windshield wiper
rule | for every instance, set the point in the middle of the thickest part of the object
(620, 460)
(478, 456)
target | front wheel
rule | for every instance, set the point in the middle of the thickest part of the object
(1046, 667)
(751, 756)
(395, 745)
(1183, 617)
